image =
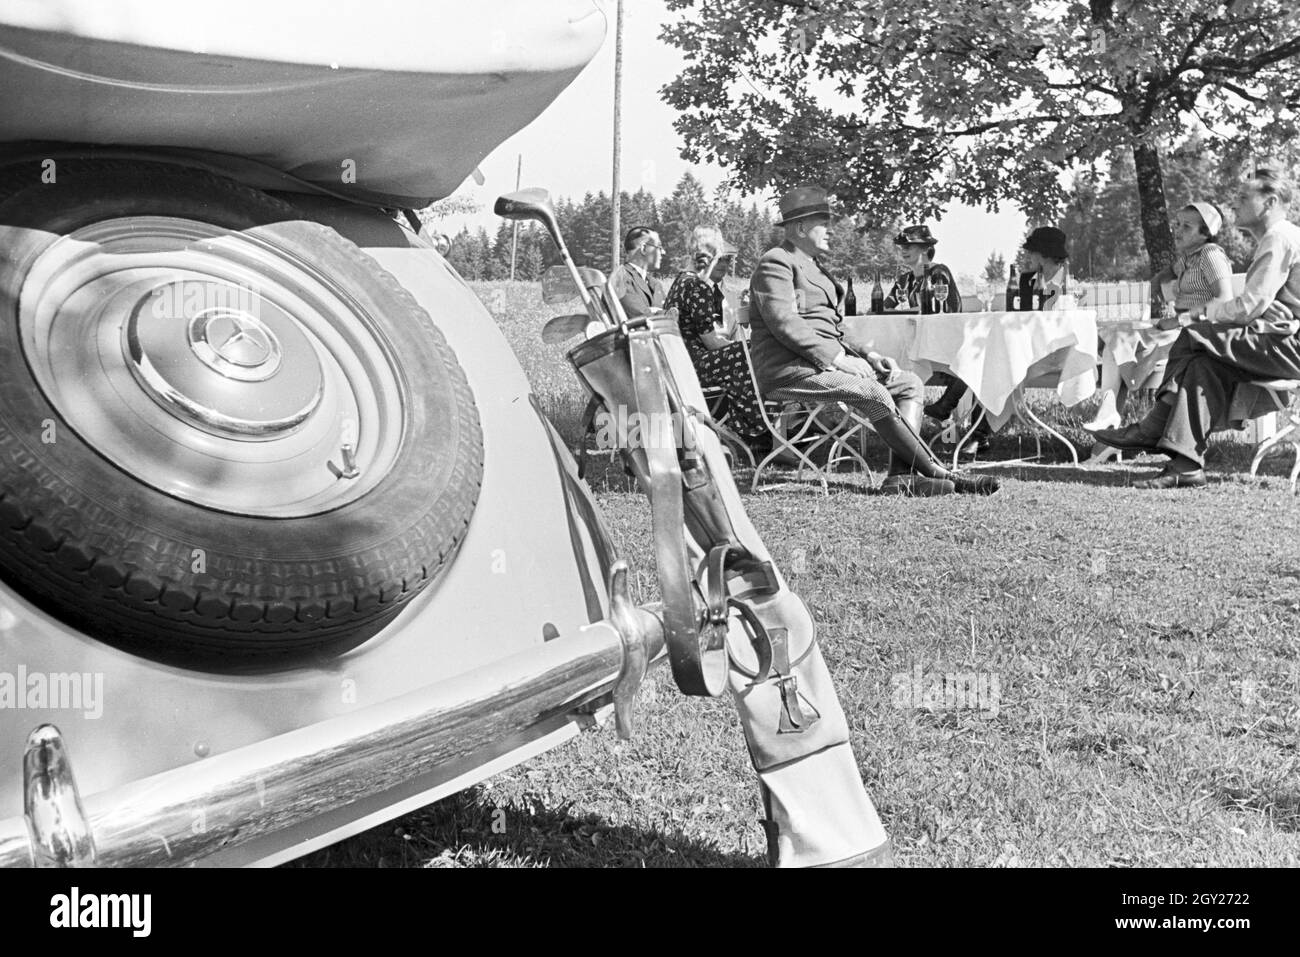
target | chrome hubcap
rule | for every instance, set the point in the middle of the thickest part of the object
(213, 365)
(222, 368)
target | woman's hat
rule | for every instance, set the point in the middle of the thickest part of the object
(802, 202)
(1212, 218)
(1048, 241)
(916, 236)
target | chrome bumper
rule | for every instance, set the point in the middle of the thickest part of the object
(187, 813)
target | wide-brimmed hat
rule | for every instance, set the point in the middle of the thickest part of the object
(802, 202)
(1048, 241)
(916, 236)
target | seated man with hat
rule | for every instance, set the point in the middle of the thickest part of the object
(801, 354)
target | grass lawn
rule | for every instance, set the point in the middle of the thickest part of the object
(1144, 647)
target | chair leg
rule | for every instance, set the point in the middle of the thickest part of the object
(843, 440)
(782, 443)
(1273, 440)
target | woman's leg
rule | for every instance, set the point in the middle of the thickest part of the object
(1107, 416)
(731, 373)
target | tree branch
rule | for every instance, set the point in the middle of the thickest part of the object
(1233, 88)
(1239, 67)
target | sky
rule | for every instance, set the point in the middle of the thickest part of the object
(568, 148)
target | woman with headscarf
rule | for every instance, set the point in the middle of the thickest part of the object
(719, 361)
(1201, 273)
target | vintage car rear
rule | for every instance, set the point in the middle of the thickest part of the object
(286, 546)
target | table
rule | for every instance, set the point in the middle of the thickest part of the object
(997, 354)
(1122, 341)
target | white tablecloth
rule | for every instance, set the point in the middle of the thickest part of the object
(1137, 348)
(994, 353)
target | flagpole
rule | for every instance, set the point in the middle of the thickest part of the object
(616, 246)
(514, 242)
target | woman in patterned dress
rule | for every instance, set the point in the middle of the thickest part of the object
(719, 361)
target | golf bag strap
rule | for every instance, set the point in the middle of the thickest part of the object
(772, 646)
(698, 655)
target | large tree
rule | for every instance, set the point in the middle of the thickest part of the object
(903, 107)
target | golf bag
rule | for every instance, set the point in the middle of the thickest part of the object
(730, 620)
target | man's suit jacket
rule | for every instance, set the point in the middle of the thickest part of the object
(637, 295)
(796, 309)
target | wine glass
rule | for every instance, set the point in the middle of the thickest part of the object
(941, 296)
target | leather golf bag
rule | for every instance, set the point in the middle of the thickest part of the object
(730, 620)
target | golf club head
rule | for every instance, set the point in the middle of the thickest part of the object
(563, 328)
(534, 204)
(558, 284)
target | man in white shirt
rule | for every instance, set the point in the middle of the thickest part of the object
(1252, 338)
(632, 283)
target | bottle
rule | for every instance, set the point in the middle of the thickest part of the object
(1013, 289)
(877, 297)
(926, 298)
(1157, 303)
(850, 298)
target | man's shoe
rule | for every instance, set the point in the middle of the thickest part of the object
(975, 484)
(1171, 479)
(915, 485)
(1133, 438)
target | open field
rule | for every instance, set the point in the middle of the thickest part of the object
(1145, 646)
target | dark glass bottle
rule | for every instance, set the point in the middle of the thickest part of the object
(877, 297)
(926, 297)
(1013, 289)
(1157, 303)
(850, 298)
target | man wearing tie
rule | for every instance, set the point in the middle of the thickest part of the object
(632, 283)
(800, 352)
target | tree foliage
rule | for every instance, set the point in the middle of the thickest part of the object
(904, 107)
(995, 268)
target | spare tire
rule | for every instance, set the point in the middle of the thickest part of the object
(228, 438)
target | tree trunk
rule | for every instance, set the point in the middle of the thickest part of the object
(1156, 233)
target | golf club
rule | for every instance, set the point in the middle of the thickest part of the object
(562, 328)
(535, 204)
